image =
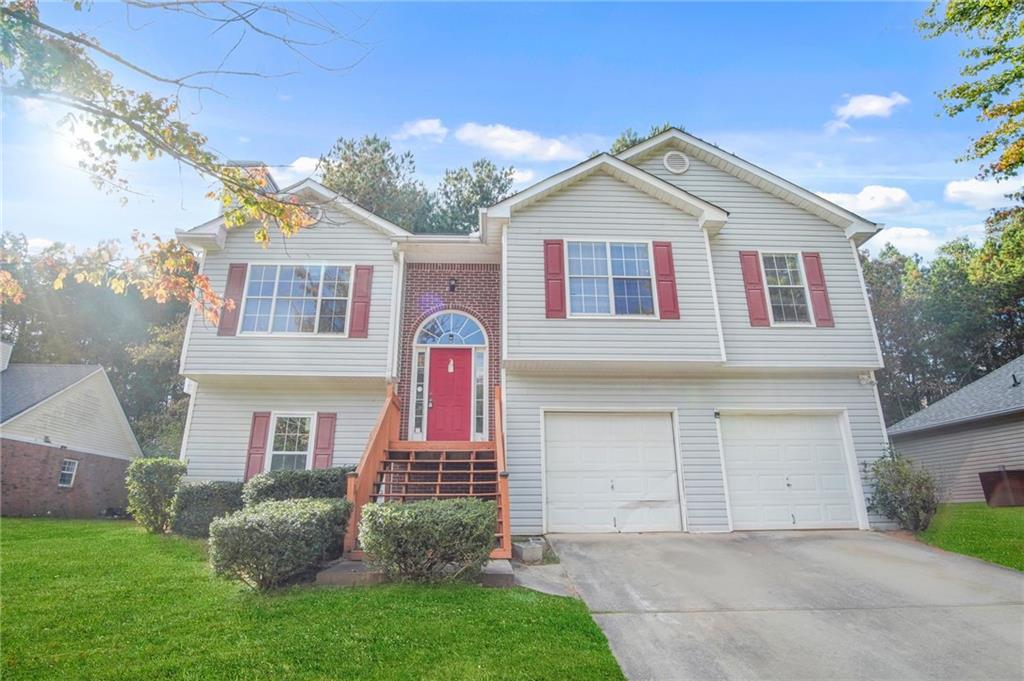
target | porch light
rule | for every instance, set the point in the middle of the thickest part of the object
(452, 284)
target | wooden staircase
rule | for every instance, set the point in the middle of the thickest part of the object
(407, 471)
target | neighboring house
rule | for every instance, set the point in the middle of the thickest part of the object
(64, 441)
(976, 429)
(682, 341)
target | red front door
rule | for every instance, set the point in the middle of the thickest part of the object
(450, 393)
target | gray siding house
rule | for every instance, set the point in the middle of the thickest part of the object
(679, 340)
(976, 429)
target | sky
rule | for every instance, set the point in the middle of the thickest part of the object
(839, 98)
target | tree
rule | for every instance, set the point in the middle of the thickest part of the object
(993, 75)
(41, 61)
(630, 137)
(940, 325)
(137, 341)
(464, 191)
(370, 173)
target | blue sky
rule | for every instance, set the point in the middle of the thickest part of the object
(839, 98)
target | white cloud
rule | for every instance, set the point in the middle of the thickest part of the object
(980, 194)
(38, 244)
(864, 106)
(428, 128)
(244, 140)
(296, 171)
(285, 97)
(873, 198)
(521, 176)
(507, 142)
(921, 241)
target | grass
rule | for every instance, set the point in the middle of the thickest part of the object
(105, 600)
(992, 534)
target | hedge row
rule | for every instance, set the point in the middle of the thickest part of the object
(267, 544)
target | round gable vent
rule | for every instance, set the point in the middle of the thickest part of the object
(676, 162)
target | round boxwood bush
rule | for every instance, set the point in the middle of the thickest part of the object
(324, 483)
(431, 540)
(196, 504)
(269, 543)
(152, 483)
(905, 493)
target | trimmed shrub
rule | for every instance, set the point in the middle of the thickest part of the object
(325, 483)
(904, 492)
(151, 483)
(429, 541)
(267, 544)
(196, 504)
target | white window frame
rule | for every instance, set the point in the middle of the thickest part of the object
(319, 297)
(611, 280)
(74, 473)
(274, 416)
(425, 348)
(803, 280)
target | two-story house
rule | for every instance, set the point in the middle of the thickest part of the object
(668, 339)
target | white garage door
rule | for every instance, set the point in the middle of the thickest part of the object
(610, 472)
(787, 472)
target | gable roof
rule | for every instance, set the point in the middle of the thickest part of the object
(855, 227)
(23, 386)
(709, 216)
(991, 395)
(211, 234)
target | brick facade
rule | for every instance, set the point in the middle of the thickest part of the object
(28, 482)
(477, 293)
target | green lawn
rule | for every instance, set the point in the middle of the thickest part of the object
(992, 534)
(105, 600)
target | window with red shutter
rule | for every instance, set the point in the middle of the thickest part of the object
(753, 285)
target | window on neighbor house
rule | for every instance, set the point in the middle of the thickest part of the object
(786, 293)
(291, 443)
(610, 278)
(297, 299)
(68, 469)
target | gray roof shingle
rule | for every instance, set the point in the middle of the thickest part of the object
(25, 385)
(991, 395)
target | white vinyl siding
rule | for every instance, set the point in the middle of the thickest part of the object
(86, 417)
(762, 221)
(217, 440)
(336, 239)
(956, 455)
(603, 208)
(695, 400)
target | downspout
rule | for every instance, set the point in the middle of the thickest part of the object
(397, 307)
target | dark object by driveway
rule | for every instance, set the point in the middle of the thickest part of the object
(1003, 487)
(797, 605)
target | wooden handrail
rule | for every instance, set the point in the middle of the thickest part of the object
(360, 482)
(504, 519)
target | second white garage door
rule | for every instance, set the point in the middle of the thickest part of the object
(610, 472)
(787, 472)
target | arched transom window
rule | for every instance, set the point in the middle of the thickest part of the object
(451, 328)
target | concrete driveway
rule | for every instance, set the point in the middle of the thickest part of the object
(797, 605)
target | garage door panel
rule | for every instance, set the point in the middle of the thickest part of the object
(787, 472)
(611, 472)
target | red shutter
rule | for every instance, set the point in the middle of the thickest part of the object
(359, 324)
(757, 307)
(819, 293)
(554, 278)
(665, 280)
(323, 443)
(232, 291)
(258, 432)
